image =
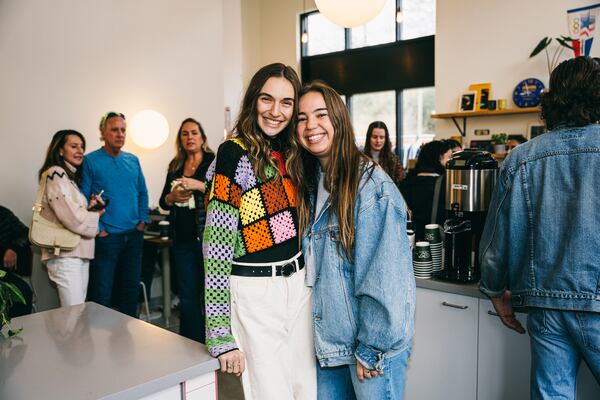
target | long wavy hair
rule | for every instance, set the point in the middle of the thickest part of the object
(247, 127)
(53, 157)
(386, 156)
(180, 155)
(342, 175)
(573, 98)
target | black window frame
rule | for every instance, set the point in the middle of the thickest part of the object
(398, 65)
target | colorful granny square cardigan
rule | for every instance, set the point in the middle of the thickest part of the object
(244, 216)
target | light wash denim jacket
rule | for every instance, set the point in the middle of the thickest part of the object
(542, 235)
(365, 308)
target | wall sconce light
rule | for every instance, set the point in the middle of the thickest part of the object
(304, 37)
(149, 129)
(399, 16)
(350, 13)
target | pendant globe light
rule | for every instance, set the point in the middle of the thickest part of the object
(350, 13)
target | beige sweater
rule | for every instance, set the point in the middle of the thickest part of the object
(64, 203)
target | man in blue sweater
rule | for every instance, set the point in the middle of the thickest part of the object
(115, 272)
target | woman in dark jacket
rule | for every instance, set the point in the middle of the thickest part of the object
(183, 195)
(420, 186)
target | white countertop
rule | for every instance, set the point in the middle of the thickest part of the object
(92, 352)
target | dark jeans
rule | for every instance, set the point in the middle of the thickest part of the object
(189, 268)
(115, 272)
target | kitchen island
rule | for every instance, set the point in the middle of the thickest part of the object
(92, 352)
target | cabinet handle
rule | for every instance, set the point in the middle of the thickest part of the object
(493, 313)
(445, 303)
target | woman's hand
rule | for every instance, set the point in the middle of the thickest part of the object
(192, 184)
(233, 362)
(365, 373)
(179, 194)
(10, 259)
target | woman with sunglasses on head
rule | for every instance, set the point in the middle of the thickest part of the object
(363, 289)
(63, 203)
(378, 147)
(258, 309)
(183, 195)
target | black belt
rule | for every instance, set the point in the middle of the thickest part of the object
(280, 270)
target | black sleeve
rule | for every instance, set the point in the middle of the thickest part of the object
(166, 190)
(13, 231)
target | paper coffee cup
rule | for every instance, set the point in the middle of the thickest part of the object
(163, 227)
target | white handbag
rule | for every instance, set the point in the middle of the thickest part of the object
(47, 234)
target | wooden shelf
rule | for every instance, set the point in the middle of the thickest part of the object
(486, 113)
(482, 113)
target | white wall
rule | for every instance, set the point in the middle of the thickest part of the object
(63, 63)
(490, 41)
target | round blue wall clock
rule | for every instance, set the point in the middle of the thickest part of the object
(528, 93)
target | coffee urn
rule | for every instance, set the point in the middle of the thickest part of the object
(470, 179)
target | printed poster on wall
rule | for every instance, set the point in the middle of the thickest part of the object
(582, 29)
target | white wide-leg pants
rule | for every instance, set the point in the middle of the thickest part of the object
(71, 276)
(271, 322)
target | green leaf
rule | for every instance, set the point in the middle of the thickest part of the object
(2, 273)
(16, 292)
(13, 332)
(540, 46)
(563, 43)
(566, 38)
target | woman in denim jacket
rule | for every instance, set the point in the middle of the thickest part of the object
(357, 254)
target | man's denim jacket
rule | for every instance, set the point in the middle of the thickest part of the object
(363, 308)
(542, 235)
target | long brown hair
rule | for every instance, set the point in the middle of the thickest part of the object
(386, 156)
(180, 154)
(342, 174)
(53, 157)
(247, 127)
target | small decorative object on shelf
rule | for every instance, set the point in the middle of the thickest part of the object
(484, 92)
(499, 141)
(467, 101)
(528, 93)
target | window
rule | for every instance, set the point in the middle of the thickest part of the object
(418, 18)
(323, 35)
(417, 125)
(381, 30)
(365, 64)
(369, 107)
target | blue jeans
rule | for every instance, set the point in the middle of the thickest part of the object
(559, 341)
(189, 272)
(335, 383)
(115, 272)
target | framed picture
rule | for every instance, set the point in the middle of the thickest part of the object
(467, 101)
(535, 130)
(484, 94)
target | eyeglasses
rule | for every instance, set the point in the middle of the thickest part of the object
(109, 115)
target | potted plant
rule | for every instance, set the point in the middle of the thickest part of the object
(564, 42)
(9, 294)
(499, 141)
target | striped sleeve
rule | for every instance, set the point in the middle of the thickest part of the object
(220, 233)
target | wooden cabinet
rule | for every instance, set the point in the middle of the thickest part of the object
(444, 358)
(503, 358)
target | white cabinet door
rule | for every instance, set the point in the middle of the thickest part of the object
(443, 364)
(503, 357)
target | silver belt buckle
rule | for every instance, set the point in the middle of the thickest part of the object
(288, 269)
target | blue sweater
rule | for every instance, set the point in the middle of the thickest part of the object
(123, 183)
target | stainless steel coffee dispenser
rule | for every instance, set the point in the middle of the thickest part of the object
(470, 179)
